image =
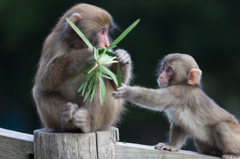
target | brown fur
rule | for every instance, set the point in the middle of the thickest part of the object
(190, 111)
(59, 105)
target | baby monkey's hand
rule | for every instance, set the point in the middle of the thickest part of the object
(122, 92)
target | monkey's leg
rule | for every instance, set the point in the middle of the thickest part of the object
(97, 116)
(49, 106)
(177, 138)
(227, 138)
(206, 148)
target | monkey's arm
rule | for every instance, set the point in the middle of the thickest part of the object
(151, 98)
(177, 138)
(57, 70)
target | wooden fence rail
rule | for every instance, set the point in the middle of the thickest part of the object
(94, 145)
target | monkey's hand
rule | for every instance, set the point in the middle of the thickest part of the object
(81, 119)
(163, 146)
(68, 110)
(122, 56)
(122, 92)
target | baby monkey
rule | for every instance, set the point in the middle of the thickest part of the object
(190, 111)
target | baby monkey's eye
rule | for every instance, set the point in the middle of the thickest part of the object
(169, 69)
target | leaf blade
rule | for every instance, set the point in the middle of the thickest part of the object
(123, 34)
(109, 53)
(103, 89)
(78, 31)
(119, 76)
(111, 74)
(80, 72)
(94, 89)
(90, 86)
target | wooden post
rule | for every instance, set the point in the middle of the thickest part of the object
(94, 145)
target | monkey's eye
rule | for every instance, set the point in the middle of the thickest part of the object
(169, 70)
(163, 67)
(103, 31)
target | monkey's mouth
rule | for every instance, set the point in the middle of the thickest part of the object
(163, 85)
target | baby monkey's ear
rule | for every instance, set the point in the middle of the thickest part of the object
(194, 76)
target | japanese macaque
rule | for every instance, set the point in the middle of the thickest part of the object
(190, 111)
(60, 106)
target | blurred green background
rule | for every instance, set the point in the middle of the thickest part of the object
(209, 30)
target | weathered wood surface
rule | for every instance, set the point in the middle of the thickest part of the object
(105, 143)
(94, 145)
(15, 145)
(133, 151)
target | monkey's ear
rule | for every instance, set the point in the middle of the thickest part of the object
(194, 76)
(74, 18)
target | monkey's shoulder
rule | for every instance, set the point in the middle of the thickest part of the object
(183, 91)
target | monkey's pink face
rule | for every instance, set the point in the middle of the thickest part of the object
(102, 36)
(165, 76)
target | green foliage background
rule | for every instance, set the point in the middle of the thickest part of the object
(209, 30)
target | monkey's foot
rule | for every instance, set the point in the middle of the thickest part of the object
(162, 146)
(68, 110)
(81, 119)
(227, 156)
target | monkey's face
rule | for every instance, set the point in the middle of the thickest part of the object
(93, 21)
(179, 69)
(102, 38)
(165, 76)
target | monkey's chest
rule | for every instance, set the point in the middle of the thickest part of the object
(189, 122)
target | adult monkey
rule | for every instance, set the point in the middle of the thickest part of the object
(60, 106)
(190, 111)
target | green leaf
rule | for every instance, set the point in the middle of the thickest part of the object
(123, 34)
(102, 51)
(90, 86)
(94, 88)
(78, 31)
(102, 90)
(119, 76)
(86, 78)
(108, 62)
(110, 73)
(82, 85)
(106, 77)
(105, 59)
(85, 86)
(80, 72)
(109, 53)
(95, 53)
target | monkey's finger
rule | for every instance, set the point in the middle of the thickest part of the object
(120, 89)
(66, 113)
(79, 124)
(69, 104)
(80, 120)
(123, 58)
(157, 148)
(115, 95)
(80, 115)
(122, 84)
(121, 55)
